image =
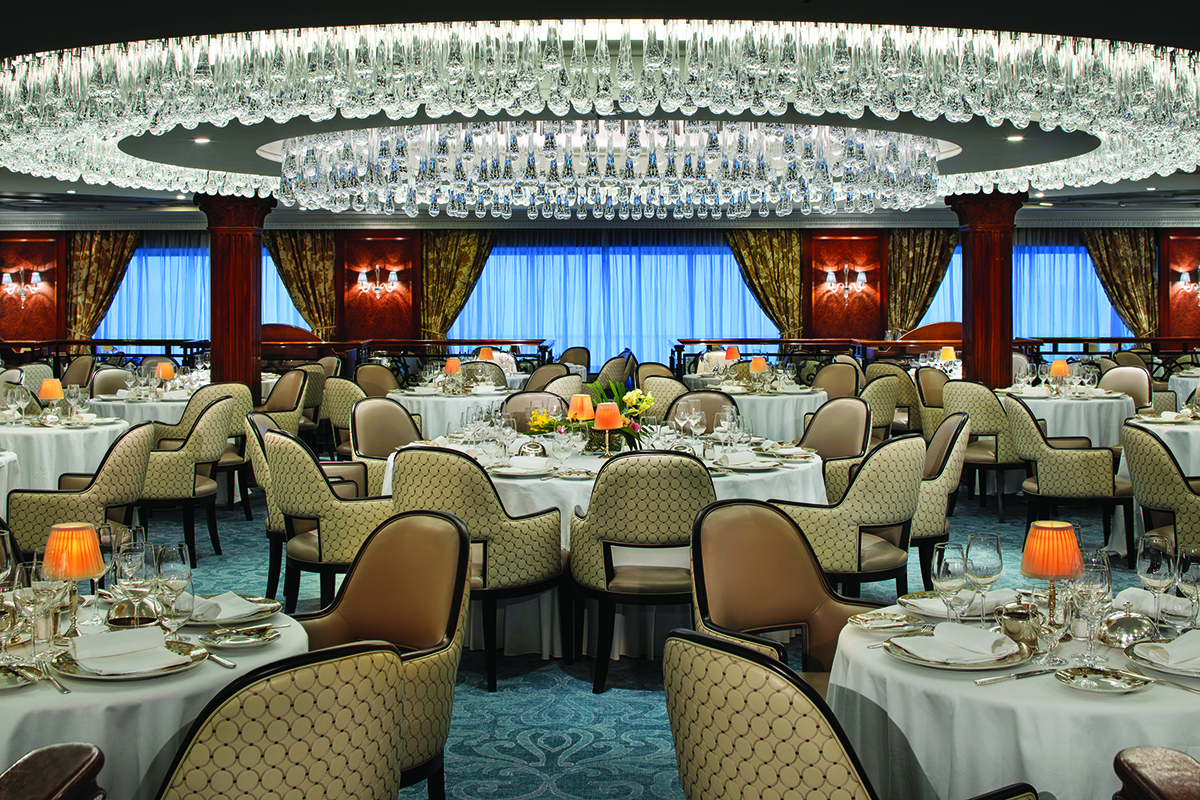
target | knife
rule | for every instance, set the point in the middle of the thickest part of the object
(224, 662)
(1013, 676)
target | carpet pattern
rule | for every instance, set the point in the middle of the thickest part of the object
(544, 734)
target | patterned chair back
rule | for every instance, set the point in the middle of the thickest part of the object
(881, 394)
(544, 375)
(285, 712)
(172, 473)
(34, 373)
(986, 413)
(940, 477)
(376, 380)
(314, 389)
(30, 404)
(837, 380)
(1132, 380)
(840, 428)
(205, 395)
(643, 499)
(887, 486)
(577, 355)
(565, 387)
(664, 391)
(257, 424)
(711, 403)
(484, 372)
(906, 390)
(1159, 483)
(519, 404)
(612, 371)
(340, 397)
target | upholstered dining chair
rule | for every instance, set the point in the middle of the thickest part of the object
(939, 487)
(13, 375)
(839, 431)
(837, 380)
(182, 476)
(420, 561)
(332, 366)
(565, 387)
(864, 536)
(484, 372)
(29, 401)
(285, 404)
(376, 380)
(306, 495)
(640, 499)
(518, 405)
(1133, 381)
(754, 572)
(67, 771)
(930, 383)
(577, 355)
(79, 371)
(1155, 773)
(378, 426)
(275, 730)
(613, 371)
(880, 394)
(34, 373)
(712, 403)
(105, 497)
(108, 381)
(846, 358)
(741, 719)
(739, 370)
(648, 370)
(1068, 469)
(340, 396)
(543, 375)
(992, 449)
(1170, 500)
(907, 418)
(1019, 361)
(155, 360)
(511, 556)
(314, 394)
(664, 391)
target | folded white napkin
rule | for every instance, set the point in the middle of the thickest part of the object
(768, 446)
(1099, 392)
(958, 644)
(531, 463)
(176, 394)
(424, 389)
(736, 459)
(793, 451)
(934, 607)
(486, 388)
(223, 607)
(84, 417)
(122, 652)
(1142, 602)
(1032, 391)
(122, 393)
(1183, 652)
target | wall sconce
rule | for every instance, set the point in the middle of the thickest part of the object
(845, 286)
(378, 286)
(19, 287)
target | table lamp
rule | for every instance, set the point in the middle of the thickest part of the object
(758, 364)
(1051, 554)
(73, 555)
(947, 354)
(732, 354)
(453, 365)
(165, 370)
(485, 354)
(1059, 369)
(608, 418)
(50, 393)
(581, 408)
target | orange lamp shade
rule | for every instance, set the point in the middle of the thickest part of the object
(758, 364)
(485, 354)
(453, 365)
(73, 552)
(732, 354)
(947, 354)
(1059, 369)
(165, 370)
(608, 417)
(581, 408)
(1051, 552)
(51, 389)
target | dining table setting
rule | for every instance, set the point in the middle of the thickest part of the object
(775, 407)
(51, 444)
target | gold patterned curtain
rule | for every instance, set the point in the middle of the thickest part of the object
(98, 263)
(451, 262)
(1126, 262)
(771, 266)
(305, 261)
(917, 261)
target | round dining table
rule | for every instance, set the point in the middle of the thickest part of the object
(44, 453)
(162, 410)
(1183, 440)
(778, 416)
(10, 474)
(139, 724)
(1183, 384)
(441, 414)
(932, 734)
(1099, 418)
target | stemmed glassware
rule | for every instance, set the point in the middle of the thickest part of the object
(985, 563)
(1187, 581)
(949, 575)
(1054, 615)
(174, 575)
(36, 594)
(10, 621)
(1156, 569)
(14, 398)
(1090, 594)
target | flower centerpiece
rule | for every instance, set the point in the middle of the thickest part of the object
(630, 405)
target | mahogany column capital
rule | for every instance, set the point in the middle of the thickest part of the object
(980, 211)
(235, 213)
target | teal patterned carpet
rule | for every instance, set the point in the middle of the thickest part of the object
(544, 734)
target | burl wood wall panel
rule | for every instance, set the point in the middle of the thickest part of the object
(387, 315)
(861, 314)
(1179, 309)
(46, 255)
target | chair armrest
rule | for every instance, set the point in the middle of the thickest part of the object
(54, 771)
(169, 444)
(352, 471)
(757, 643)
(1070, 442)
(325, 628)
(1155, 773)
(74, 481)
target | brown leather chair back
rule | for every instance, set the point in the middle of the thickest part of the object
(332, 366)
(651, 369)
(287, 392)
(839, 429)
(543, 375)
(1132, 380)
(108, 381)
(55, 772)
(378, 425)
(712, 402)
(79, 371)
(941, 443)
(754, 570)
(930, 381)
(837, 380)
(577, 355)
(376, 380)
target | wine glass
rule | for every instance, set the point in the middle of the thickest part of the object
(1156, 569)
(1054, 615)
(984, 566)
(949, 574)
(1187, 581)
(14, 399)
(1090, 594)
(136, 575)
(36, 594)
(10, 619)
(173, 581)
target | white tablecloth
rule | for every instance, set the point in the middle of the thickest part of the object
(776, 416)
(46, 453)
(138, 724)
(517, 380)
(924, 733)
(1099, 419)
(442, 414)
(10, 474)
(1183, 384)
(167, 411)
(1183, 440)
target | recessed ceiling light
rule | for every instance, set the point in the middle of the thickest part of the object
(1040, 194)
(1045, 204)
(1016, 138)
(70, 191)
(201, 140)
(180, 197)
(1150, 188)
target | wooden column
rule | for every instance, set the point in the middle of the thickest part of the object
(235, 228)
(986, 223)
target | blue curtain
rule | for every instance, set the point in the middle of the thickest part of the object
(608, 290)
(165, 293)
(1055, 289)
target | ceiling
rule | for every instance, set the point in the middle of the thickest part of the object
(27, 202)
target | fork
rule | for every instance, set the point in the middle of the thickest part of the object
(1132, 669)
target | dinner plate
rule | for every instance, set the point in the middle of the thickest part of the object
(886, 622)
(517, 472)
(237, 639)
(1023, 654)
(1139, 659)
(11, 679)
(905, 601)
(576, 474)
(64, 664)
(1098, 680)
(1160, 421)
(106, 420)
(266, 608)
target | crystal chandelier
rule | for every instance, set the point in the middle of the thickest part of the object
(615, 168)
(62, 113)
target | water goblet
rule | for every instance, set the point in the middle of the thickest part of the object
(1090, 598)
(10, 619)
(175, 606)
(949, 574)
(1156, 569)
(36, 594)
(985, 563)
(1187, 581)
(1054, 615)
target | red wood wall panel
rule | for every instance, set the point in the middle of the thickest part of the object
(44, 253)
(386, 315)
(1179, 309)
(834, 314)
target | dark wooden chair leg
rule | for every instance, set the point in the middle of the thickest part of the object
(274, 565)
(577, 605)
(1130, 547)
(851, 588)
(291, 588)
(489, 641)
(436, 784)
(210, 507)
(327, 589)
(1000, 493)
(604, 641)
(243, 479)
(925, 558)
